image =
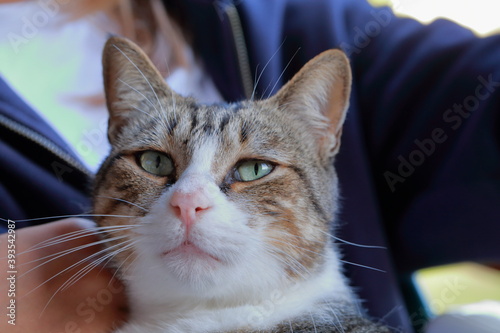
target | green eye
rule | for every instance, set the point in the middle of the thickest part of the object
(253, 170)
(156, 163)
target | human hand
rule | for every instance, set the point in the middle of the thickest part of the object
(95, 303)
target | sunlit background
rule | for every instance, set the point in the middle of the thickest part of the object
(482, 16)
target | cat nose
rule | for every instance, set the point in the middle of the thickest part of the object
(189, 206)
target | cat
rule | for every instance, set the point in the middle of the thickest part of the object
(225, 209)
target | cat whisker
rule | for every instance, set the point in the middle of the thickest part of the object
(289, 235)
(335, 315)
(299, 248)
(58, 217)
(340, 239)
(68, 268)
(273, 239)
(257, 79)
(321, 254)
(256, 82)
(351, 243)
(123, 200)
(280, 255)
(83, 271)
(144, 77)
(174, 103)
(142, 111)
(282, 73)
(267, 88)
(105, 259)
(164, 118)
(313, 322)
(292, 266)
(77, 235)
(59, 239)
(363, 266)
(61, 254)
(173, 95)
(145, 98)
(287, 260)
(118, 269)
(141, 94)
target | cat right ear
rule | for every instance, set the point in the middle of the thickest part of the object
(132, 84)
(319, 96)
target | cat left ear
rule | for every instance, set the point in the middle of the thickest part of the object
(132, 84)
(319, 95)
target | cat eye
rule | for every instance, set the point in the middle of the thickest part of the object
(156, 163)
(252, 170)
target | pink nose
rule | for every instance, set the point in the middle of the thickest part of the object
(189, 206)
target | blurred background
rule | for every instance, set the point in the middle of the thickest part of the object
(478, 15)
(477, 304)
(75, 52)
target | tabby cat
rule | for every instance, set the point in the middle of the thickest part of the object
(226, 208)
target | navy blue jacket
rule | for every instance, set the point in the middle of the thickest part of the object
(419, 164)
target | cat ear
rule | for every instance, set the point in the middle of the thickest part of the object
(132, 84)
(319, 95)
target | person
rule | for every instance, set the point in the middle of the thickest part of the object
(419, 161)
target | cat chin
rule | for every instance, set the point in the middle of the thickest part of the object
(192, 267)
(202, 312)
(181, 277)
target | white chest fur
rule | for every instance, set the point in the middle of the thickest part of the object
(170, 313)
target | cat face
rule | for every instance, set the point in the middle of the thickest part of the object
(222, 199)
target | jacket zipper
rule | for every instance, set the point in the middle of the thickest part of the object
(241, 49)
(44, 143)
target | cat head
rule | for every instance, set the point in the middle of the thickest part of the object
(219, 199)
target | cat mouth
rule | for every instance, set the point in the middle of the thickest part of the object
(189, 250)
